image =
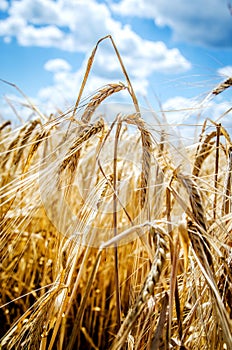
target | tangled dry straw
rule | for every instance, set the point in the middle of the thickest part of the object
(102, 250)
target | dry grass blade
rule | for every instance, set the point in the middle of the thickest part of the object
(79, 316)
(218, 132)
(198, 246)
(32, 106)
(226, 205)
(156, 342)
(115, 221)
(225, 283)
(89, 65)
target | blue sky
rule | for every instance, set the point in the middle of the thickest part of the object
(176, 51)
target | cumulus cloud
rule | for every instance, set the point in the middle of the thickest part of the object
(3, 5)
(203, 23)
(179, 109)
(225, 71)
(56, 65)
(66, 84)
(186, 116)
(76, 26)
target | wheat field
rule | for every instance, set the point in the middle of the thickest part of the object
(108, 239)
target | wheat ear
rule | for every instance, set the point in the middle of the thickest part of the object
(23, 142)
(5, 124)
(197, 211)
(97, 99)
(12, 146)
(146, 138)
(203, 152)
(146, 291)
(34, 147)
(222, 86)
(84, 135)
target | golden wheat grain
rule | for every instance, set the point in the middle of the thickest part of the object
(97, 99)
(199, 244)
(195, 200)
(222, 86)
(23, 142)
(5, 124)
(135, 119)
(12, 146)
(198, 213)
(202, 154)
(84, 135)
(146, 291)
(38, 139)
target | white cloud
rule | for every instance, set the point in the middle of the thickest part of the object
(56, 65)
(36, 11)
(82, 22)
(205, 23)
(11, 26)
(66, 85)
(44, 36)
(3, 5)
(76, 26)
(180, 109)
(141, 57)
(186, 116)
(225, 71)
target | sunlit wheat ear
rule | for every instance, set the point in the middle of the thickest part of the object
(226, 204)
(12, 147)
(97, 99)
(146, 138)
(203, 152)
(195, 199)
(4, 125)
(38, 139)
(206, 146)
(84, 135)
(199, 244)
(147, 290)
(198, 212)
(24, 140)
(222, 86)
(106, 187)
